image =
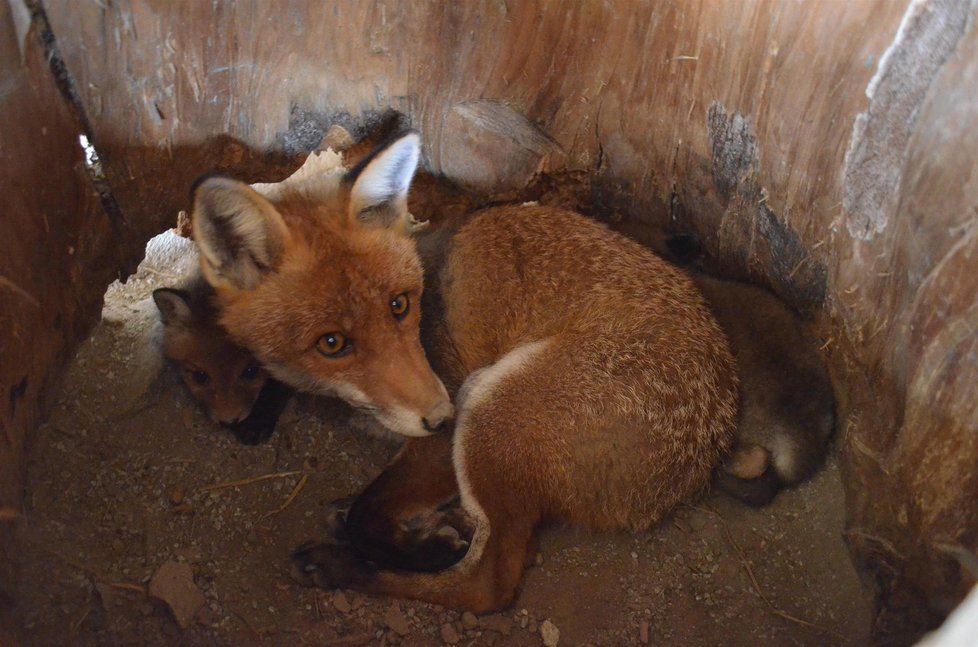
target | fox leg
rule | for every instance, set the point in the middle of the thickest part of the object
(409, 517)
(485, 579)
(500, 478)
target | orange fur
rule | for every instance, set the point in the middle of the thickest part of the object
(593, 384)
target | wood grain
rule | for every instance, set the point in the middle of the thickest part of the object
(728, 121)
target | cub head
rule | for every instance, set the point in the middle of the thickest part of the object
(223, 377)
(318, 277)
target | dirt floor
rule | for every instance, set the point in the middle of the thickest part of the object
(129, 477)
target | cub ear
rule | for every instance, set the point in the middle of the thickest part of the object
(240, 234)
(381, 182)
(174, 306)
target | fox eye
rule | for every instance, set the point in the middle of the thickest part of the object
(249, 373)
(400, 305)
(333, 345)
(200, 377)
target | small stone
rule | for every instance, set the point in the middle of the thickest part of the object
(341, 603)
(469, 621)
(176, 494)
(498, 623)
(550, 633)
(643, 632)
(538, 560)
(174, 584)
(394, 619)
(448, 634)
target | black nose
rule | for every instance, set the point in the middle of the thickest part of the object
(437, 426)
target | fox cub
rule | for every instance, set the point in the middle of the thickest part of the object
(225, 379)
(591, 383)
(787, 406)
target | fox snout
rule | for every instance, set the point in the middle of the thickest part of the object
(439, 419)
(229, 415)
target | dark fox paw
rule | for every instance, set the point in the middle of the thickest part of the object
(437, 540)
(329, 566)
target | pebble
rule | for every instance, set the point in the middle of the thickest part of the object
(394, 619)
(550, 633)
(341, 603)
(448, 634)
(498, 623)
(469, 621)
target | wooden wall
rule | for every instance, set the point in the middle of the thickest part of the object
(825, 149)
(56, 254)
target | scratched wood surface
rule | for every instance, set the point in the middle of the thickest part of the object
(55, 257)
(776, 134)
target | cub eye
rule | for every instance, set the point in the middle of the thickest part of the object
(400, 305)
(249, 373)
(333, 344)
(200, 377)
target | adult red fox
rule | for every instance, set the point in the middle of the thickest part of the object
(225, 379)
(592, 384)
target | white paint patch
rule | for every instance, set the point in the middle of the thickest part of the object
(477, 390)
(873, 168)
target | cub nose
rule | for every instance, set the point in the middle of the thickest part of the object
(439, 418)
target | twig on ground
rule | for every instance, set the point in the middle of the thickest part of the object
(248, 481)
(349, 641)
(247, 624)
(125, 586)
(757, 587)
(295, 492)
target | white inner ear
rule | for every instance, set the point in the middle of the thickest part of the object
(387, 177)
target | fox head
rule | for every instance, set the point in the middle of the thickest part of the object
(223, 377)
(318, 276)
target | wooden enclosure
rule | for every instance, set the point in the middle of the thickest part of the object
(826, 150)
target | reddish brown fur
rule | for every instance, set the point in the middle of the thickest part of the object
(596, 387)
(196, 344)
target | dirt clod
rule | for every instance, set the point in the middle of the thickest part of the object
(469, 621)
(550, 633)
(341, 603)
(449, 634)
(174, 584)
(395, 620)
(498, 623)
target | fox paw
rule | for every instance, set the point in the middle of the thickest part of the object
(438, 539)
(328, 566)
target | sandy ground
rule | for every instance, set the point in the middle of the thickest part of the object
(128, 476)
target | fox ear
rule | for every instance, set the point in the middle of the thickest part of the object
(381, 182)
(240, 234)
(174, 306)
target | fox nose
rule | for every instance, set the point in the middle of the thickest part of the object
(439, 418)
